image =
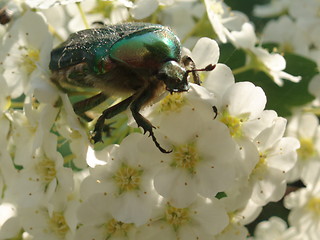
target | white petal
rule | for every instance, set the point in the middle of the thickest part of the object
(205, 52)
(176, 185)
(245, 98)
(144, 8)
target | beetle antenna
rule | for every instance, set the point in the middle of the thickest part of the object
(208, 68)
(194, 71)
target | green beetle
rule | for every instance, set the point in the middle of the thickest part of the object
(140, 59)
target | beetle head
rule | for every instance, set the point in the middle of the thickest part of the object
(174, 76)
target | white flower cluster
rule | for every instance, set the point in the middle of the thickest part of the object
(296, 30)
(229, 155)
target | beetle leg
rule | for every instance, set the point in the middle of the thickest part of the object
(188, 62)
(82, 106)
(107, 114)
(144, 97)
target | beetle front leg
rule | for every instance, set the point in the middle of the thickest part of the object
(146, 125)
(107, 114)
(189, 63)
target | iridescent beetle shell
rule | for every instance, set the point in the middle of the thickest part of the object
(120, 58)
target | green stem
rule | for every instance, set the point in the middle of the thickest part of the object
(241, 69)
(315, 111)
(55, 33)
(193, 30)
(83, 16)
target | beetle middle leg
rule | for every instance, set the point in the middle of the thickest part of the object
(107, 114)
(85, 105)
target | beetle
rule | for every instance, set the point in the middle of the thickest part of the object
(140, 59)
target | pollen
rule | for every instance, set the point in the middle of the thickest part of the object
(47, 170)
(217, 8)
(58, 224)
(186, 156)
(307, 149)
(30, 58)
(314, 205)
(260, 166)
(233, 123)
(172, 103)
(116, 229)
(127, 178)
(177, 217)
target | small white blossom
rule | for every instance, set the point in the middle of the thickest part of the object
(50, 222)
(97, 223)
(224, 20)
(274, 8)
(45, 4)
(25, 54)
(292, 40)
(272, 64)
(305, 127)
(201, 220)
(277, 156)
(275, 228)
(304, 205)
(126, 181)
(9, 221)
(42, 177)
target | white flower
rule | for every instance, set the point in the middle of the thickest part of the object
(294, 39)
(97, 223)
(274, 8)
(304, 205)
(305, 127)
(277, 156)
(25, 55)
(9, 221)
(222, 19)
(274, 228)
(272, 64)
(314, 86)
(304, 9)
(144, 8)
(43, 176)
(69, 126)
(200, 150)
(50, 223)
(45, 4)
(126, 181)
(201, 220)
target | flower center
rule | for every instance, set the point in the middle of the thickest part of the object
(46, 169)
(172, 103)
(260, 167)
(128, 178)
(58, 224)
(233, 123)
(217, 8)
(29, 59)
(177, 216)
(117, 229)
(186, 156)
(314, 205)
(306, 149)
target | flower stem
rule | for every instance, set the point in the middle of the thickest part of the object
(83, 16)
(241, 69)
